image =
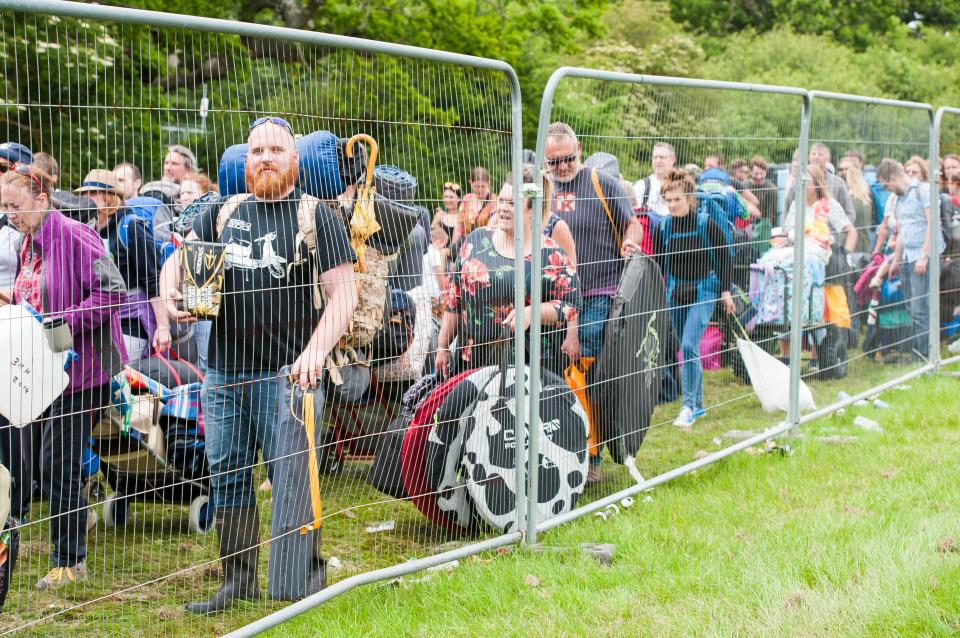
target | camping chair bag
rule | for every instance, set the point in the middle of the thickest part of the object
(625, 381)
(295, 568)
(385, 472)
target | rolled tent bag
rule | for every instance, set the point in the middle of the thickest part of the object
(295, 568)
(395, 209)
(625, 381)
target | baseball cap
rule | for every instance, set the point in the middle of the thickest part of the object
(14, 152)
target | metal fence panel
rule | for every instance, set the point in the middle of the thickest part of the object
(96, 86)
(637, 119)
(944, 147)
(888, 333)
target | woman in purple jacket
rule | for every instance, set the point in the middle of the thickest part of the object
(65, 272)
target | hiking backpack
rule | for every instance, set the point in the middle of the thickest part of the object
(148, 210)
(704, 217)
(367, 318)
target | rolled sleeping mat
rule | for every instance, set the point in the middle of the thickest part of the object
(395, 208)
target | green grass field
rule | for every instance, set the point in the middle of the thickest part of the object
(851, 539)
(821, 541)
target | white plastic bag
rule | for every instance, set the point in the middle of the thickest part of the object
(32, 376)
(770, 379)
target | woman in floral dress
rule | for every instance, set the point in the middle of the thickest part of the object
(480, 309)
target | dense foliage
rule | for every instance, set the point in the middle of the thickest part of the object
(99, 93)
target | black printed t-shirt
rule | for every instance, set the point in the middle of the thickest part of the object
(599, 264)
(266, 313)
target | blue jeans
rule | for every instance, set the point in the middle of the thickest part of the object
(239, 413)
(916, 292)
(203, 343)
(593, 321)
(690, 318)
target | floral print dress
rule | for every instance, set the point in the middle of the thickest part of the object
(481, 295)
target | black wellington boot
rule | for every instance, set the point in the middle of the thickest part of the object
(239, 533)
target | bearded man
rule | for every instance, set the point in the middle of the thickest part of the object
(267, 320)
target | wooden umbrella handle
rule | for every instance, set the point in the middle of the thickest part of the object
(374, 150)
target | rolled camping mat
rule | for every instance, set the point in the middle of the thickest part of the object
(444, 454)
(413, 454)
(490, 449)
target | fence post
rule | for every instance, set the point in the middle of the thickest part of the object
(536, 242)
(535, 192)
(796, 305)
(935, 225)
(516, 162)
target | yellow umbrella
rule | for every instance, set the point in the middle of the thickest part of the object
(363, 223)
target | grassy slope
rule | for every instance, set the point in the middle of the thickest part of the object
(833, 540)
(156, 543)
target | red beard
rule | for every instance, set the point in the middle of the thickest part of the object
(271, 185)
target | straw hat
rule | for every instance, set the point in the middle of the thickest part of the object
(100, 180)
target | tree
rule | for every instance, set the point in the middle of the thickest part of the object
(858, 23)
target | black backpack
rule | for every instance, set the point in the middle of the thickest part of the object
(384, 473)
(399, 318)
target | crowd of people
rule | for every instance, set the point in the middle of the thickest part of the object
(108, 276)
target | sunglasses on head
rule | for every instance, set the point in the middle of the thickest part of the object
(273, 120)
(23, 169)
(557, 161)
(451, 186)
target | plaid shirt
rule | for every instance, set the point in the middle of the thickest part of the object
(26, 288)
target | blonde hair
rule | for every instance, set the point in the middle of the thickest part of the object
(204, 182)
(922, 163)
(819, 182)
(18, 180)
(856, 184)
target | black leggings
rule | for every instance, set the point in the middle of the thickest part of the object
(63, 435)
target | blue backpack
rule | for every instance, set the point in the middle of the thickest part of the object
(879, 193)
(715, 184)
(702, 231)
(142, 209)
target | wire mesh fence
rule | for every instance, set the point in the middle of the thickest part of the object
(695, 175)
(882, 185)
(159, 490)
(368, 202)
(947, 138)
